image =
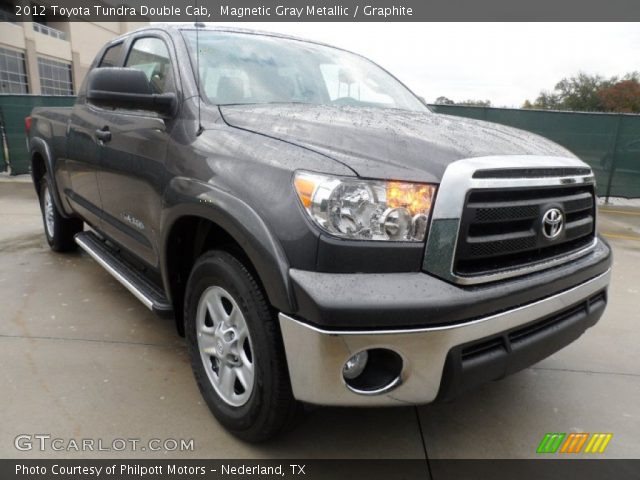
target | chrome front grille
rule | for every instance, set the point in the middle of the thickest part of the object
(486, 220)
(502, 229)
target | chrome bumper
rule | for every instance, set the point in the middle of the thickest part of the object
(316, 356)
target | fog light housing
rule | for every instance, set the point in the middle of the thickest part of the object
(373, 372)
(354, 367)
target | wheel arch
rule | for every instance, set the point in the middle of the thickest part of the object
(41, 163)
(198, 217)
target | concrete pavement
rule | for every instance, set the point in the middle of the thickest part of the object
(80, 357)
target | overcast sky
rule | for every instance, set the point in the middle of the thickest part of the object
(506, 63)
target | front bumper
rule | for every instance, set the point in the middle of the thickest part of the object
(413, 300)
(474, 351)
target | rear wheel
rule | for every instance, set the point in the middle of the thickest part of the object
(235, 348)
(58, 230)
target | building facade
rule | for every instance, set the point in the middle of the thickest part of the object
(50, 57)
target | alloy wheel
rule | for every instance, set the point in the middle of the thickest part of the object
(225, 346)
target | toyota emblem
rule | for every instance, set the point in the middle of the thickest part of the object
(552, 223)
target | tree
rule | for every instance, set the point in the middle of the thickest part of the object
(592, 93)
(475, 103)
(622, 96)
(580, 93)
(469, 103)
(443, 101)
(547, 100)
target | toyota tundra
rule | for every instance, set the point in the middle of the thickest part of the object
(317, 233)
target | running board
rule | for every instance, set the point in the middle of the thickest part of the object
(152, 297)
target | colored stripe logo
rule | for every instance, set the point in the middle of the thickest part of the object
(598, 442)
(574, 443)
(550, 442)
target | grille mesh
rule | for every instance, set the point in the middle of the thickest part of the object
(506, 213)
(502, 229)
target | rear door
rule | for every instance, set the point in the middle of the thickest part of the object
(132, 163)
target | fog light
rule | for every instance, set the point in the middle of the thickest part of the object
(373, 372)
(355, 365)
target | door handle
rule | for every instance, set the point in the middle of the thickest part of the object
(103, 135)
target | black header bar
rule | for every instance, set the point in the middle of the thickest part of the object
(176, 469)
(330, 10)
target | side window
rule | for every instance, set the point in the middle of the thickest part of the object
(111, 56)
(152, 57)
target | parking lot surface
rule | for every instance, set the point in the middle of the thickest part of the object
(80, 357)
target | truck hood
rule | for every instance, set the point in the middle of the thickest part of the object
(387, 143)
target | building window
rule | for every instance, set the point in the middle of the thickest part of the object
(46, 30)
(55, 77)
(13, 72)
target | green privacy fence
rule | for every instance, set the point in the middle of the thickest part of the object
(609, 143)
(14, 156)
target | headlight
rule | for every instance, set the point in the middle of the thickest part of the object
(366, 209)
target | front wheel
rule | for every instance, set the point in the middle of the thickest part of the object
(236, 349)
(58, 230)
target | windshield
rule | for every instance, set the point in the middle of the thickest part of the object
(237, 68)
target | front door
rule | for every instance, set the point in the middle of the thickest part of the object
(84, 149)
(132, 164)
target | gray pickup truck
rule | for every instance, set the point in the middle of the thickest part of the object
(316, 232)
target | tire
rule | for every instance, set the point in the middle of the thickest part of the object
(241, 372)
(58, 230)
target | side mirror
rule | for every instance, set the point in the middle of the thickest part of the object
(127, 88)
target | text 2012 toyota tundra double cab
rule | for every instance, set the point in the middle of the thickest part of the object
(316, 232)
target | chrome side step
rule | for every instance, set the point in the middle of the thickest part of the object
(152, 297)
